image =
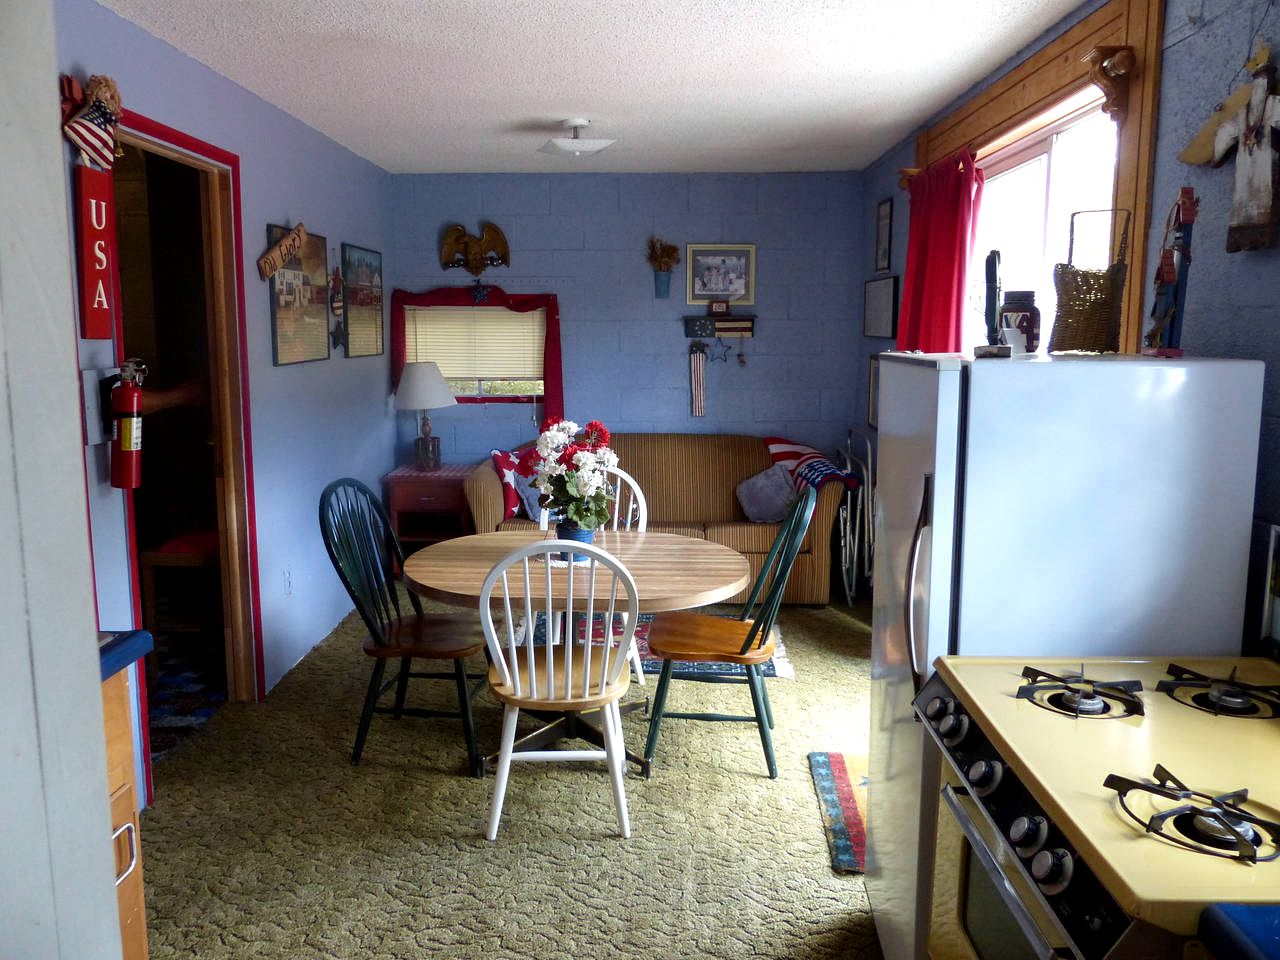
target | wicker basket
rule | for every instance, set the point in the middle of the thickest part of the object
(1089, 301)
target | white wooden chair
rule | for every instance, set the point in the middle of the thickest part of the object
(630, 512)
(559, 671)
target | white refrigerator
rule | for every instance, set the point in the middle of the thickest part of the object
(1041, 507)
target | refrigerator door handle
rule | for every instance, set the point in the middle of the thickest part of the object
(923, 520)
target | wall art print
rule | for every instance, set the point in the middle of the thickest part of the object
(300, 301)
(362, 276)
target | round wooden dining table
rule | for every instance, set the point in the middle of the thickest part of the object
(671, 572)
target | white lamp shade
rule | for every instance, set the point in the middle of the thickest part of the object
(423, 387)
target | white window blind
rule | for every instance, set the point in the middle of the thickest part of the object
(476, 342)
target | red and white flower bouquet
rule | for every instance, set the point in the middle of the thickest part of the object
(569, 470)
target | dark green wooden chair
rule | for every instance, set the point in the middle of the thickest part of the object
(368, 557)
(746, 642)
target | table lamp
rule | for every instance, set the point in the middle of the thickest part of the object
(423, 387)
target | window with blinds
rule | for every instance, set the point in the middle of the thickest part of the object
(482, 351)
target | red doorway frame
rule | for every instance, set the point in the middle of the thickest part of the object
(169, 137)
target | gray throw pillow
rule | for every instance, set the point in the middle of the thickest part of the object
(767, 496)
(529, 498)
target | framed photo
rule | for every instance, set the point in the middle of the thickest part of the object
(300, 302)
(884, 234)
(362, 290)
(880, 307)
(720, 271)
(873, 387)
(717, 306)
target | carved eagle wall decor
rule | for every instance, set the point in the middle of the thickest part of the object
(461, 249)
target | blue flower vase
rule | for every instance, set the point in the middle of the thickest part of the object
(662, 284)
(571, 531)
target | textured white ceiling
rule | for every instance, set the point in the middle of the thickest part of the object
(684, 85)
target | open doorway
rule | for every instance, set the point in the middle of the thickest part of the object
(175, 524)
(191, 517)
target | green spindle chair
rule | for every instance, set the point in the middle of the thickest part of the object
(746, 641)
(368, 557)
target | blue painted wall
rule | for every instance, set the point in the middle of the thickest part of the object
(583, 236)
(311, 422)
(1233, 299)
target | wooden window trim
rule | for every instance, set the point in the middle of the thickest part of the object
(1058, 70)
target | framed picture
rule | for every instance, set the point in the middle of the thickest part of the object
(880, 307)
(873, 386)
(717, 306)
(720, 271)
(362, 290)
(884, 233)
(300, 302)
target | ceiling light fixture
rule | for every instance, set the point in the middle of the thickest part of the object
(575, 145)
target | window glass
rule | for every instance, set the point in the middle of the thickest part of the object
(1033, 186)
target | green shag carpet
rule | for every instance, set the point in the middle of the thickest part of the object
(265, 842)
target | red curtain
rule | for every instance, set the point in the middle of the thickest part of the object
(552, 376)
(944, 219)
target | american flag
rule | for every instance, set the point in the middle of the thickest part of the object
(93, 130)
(808, 467)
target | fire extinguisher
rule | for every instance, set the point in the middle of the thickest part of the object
(126, 429)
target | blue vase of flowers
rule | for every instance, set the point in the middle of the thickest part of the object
(571, 531)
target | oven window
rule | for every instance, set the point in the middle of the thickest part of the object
(992, 932)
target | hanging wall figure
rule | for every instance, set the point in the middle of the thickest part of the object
(1245, 125)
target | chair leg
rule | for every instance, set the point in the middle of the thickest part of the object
(764, 695)
(509, 716)
(615, 751)
(402, 685)
(638, 666)
(659, 705)
(474, 761)
(370, 701)
(756, 682)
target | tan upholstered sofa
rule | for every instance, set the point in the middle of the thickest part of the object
(689, 482)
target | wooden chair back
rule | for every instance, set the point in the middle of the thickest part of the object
(762, 604)
(630, 510)
(365, 553)
(566, 663)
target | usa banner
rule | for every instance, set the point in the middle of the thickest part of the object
(96, 236)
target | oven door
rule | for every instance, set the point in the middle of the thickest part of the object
(984, 906)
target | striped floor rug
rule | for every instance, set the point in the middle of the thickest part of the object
(840, 780)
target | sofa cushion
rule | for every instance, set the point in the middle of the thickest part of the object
(518, 523)
(747, 537)
(683, 529)
(690, 478)
(767, 496)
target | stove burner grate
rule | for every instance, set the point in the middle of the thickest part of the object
(1223, 697)
(1215, 825)
(1075, 695)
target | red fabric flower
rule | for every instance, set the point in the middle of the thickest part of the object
(568, 453)
(597, 435)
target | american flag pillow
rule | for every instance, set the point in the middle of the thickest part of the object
(504, 461)
(808, 467)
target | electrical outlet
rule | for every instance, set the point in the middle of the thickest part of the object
(288, 582)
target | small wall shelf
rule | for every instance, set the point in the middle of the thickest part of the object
(724, 325)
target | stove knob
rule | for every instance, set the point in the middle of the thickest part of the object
(985, 775)
(953, 728)
(1028, 834)
(1052, 869)
(938, 707)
